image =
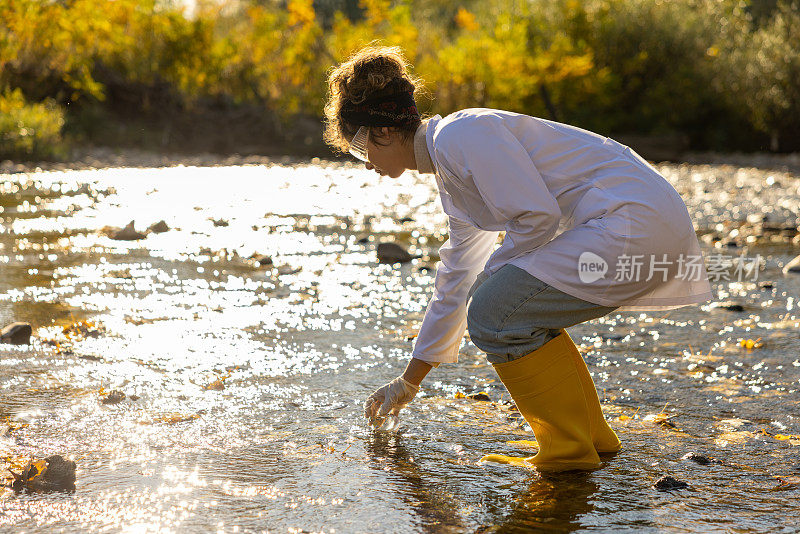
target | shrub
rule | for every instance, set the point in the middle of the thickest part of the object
(29, 130)
(762, 76)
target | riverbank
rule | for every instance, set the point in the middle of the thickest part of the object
(99, 157)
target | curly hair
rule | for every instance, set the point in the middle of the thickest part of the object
(371, 71)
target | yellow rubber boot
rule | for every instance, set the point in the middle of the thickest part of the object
(548, 391)
(603, 436)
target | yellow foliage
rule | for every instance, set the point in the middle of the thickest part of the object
(751, 343)
(301, 12)
(509, 54)
(524, 443)
(466, 20)
(377, 11)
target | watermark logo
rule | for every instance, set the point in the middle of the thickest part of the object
(591, 267)
(641, 267)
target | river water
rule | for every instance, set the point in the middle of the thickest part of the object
(244, 383)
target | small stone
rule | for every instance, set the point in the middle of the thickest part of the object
(793, 266)
(393, 253)
(216, 385)
(219, 222)
(480, 397)
(766, 284)
(134, 397)
(113, 397)
(128, 233)
(261, 260)
(288, 269)
(159, 228)
(16, 333)
(730, 306)
(668, 483)
(611, 337)
(700, 459)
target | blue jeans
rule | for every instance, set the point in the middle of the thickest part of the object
(513, 313)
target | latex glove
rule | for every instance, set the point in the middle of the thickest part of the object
(388, 400)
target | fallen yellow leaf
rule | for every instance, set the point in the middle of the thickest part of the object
(523, 443)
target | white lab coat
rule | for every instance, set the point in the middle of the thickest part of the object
(562, 195)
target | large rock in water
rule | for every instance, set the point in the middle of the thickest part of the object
(793, 266)
(393, 253)
(54, 473)
(128, 233)
(16, 334)
(668, 483)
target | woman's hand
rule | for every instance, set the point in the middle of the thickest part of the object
(388, 400)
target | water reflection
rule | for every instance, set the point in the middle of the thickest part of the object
(551, 502)
(435, 510)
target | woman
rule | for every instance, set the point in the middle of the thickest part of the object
(590, 228)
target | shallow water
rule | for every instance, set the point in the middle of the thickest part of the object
(251, 379)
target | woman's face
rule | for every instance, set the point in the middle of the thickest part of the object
(389, 156)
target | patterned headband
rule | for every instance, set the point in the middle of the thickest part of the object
(398, 109)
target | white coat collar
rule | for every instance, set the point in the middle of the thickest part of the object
(421, 153)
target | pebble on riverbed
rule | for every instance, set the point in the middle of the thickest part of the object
(700, 459)
(113, 397)
(668, 483)
(482, 396)
(730, 306)
(158, 228)
(216, 385)
(16, 333)
(261, 260)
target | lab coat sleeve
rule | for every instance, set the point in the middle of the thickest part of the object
(490, 155)
(462, 256)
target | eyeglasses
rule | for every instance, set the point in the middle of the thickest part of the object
(358, 146)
